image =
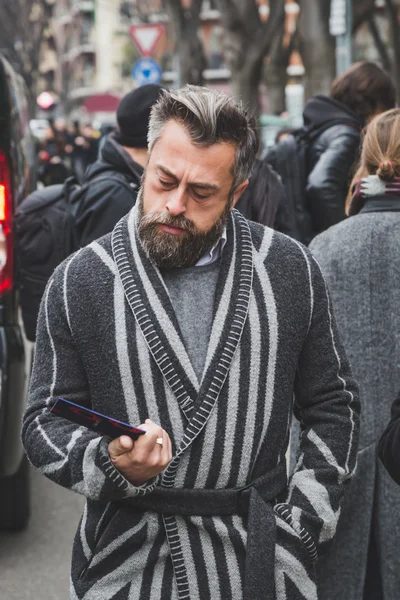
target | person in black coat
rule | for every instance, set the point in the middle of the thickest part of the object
(111, 184)
(389, 443)
(263, 197)
(333, 126)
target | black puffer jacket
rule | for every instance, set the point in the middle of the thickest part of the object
(111, 185)
(333, 131)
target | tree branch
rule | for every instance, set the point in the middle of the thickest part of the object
(395, 27)
(185, 22)
(379, 43)
(362, 10)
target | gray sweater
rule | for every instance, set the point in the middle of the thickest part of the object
(192, 293)
(108, 337)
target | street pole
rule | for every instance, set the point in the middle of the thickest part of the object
(341, 26)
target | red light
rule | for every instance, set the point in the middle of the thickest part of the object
(2, 202)
(45, 100)
(6, 238)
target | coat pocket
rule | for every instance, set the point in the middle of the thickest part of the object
(102, 528)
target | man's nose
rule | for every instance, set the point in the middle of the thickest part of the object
(176, 204)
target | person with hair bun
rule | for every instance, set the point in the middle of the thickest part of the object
(360, 260)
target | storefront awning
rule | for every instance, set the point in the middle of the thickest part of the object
(101, 103)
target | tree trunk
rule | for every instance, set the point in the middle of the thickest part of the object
(379, 43)
(317, 47)
(245, 81)
(393, 14)
(275, 75)
(21, 39)
(247, 41)
(362, 10)
(185, 22)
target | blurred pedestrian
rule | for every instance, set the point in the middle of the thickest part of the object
(333, 127)
(360, 259)
(112, 182)
(316, 163)
(283, 133)
(54, 155)
(389, 443)
(79, 153)
(263, 197)
(206, 323)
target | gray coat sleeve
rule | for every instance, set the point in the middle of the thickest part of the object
(327, 406)
(71, 456)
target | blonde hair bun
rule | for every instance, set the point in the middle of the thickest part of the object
(386, 170)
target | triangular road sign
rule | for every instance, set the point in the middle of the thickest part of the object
(146, 37)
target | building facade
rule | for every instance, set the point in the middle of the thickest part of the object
(91, 37)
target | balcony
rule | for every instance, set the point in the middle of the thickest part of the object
(83, 85)
(82, 6)
(84, 43)
(221, 74)
(76, 51)
(78, 93)
(209, 11)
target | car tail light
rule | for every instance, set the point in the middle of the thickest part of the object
(6, 241)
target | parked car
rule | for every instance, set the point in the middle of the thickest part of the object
(17, 180)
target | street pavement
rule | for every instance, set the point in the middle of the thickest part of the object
(35, 563)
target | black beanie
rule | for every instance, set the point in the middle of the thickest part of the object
(133, 114)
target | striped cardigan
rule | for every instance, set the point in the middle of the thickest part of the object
(108, 338)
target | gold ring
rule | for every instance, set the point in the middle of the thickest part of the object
(159, 441)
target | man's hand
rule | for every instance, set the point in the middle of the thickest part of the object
(143, 459)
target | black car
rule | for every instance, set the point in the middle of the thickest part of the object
(17, 180)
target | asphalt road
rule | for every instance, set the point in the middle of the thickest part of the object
(35, 563)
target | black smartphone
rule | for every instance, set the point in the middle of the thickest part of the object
(93, 420)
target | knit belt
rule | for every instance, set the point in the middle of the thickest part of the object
(254, 501)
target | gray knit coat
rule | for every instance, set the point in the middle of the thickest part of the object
(108, 338)
(360, 259)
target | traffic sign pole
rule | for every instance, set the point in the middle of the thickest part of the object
(341, 26)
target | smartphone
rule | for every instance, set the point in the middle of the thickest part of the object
(93, 420)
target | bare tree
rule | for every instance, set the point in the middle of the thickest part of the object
(184, 16)
(379, 43)
(248, 39)
(275, 72)
(23, 24)
(362, 10)
(316, 46)
(393, 15)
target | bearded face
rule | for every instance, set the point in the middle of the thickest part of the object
(186, 196)
(184, 250)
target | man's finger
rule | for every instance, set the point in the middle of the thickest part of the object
(166, 453)
(120, 446)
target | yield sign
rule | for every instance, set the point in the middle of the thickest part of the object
(146, 37)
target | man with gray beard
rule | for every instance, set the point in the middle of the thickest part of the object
(200, 325)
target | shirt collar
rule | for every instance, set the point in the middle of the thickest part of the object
(215, 252)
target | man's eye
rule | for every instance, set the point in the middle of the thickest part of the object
(201, 196)
(166, 184)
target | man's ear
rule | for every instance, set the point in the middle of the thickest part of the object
(239, 191)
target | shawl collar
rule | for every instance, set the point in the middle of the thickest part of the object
(149, 301)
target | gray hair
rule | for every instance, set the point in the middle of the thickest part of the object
(210, 117)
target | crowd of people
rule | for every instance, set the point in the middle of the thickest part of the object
(195, 308)
(66, 151)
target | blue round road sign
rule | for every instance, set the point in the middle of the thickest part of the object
(146, 70)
